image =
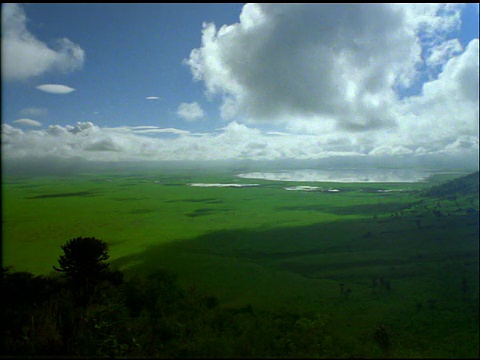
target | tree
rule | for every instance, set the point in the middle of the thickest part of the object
(419, 223)
(382, 337)
(84, 264)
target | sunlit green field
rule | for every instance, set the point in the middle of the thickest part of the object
(272, 248)
(132, 212)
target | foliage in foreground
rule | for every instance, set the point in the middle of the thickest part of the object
(149, 317)
(93, 311)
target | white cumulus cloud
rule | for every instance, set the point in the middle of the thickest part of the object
(87, 141)
(433, 20)
(190, 111)
(440, 54)
(24, 56)
(447, 106)
(322, 79)
(331, 62)
(341, 72)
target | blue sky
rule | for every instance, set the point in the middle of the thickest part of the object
(215, 81)
(132, 51)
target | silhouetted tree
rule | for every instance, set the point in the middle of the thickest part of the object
(387, 286)
(464, 288)
(374, 284)
(382, 337)
(368, 234)
(419, 224)
(348, 291)
(84, 264)
(211, 301)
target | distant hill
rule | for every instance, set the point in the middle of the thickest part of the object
(465, 185)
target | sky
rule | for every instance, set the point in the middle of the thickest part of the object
(116, 82)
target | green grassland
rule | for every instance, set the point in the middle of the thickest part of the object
(132, 212)
(275, 249)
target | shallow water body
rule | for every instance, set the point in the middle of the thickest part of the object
(343, 175)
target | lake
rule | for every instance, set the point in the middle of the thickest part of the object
(343, 175)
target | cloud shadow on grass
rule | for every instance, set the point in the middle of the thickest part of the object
(205, 211)
(129, 198)
(141, 211)
(60, 195)
(366, 209)
(207, 201)
(303, 250)
(273, 244)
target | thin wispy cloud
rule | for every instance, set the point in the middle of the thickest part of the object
(27, 122)
(143, 127)
(33, 111)
(160, 131)
(147, 129)
(55, 89)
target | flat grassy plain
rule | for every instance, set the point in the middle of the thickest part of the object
(319, 252)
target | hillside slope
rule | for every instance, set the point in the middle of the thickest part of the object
(465, 185)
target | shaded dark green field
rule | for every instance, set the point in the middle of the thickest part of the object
(207, 201)
(349, 210)
(205, 211)
(72, 194)
(305, 268)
